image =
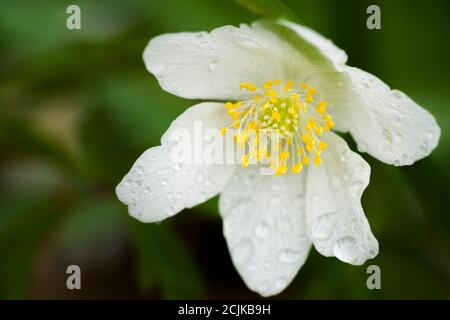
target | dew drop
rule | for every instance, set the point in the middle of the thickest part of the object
(280, 283)
(200, 177)
(345, 249)
(163, 182)
(323, 226)
(139, 169)
(336, 183)
(288, 256)
(213, 65)
(262, 230)
(242, 251)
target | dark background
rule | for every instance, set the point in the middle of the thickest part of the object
(78, 107)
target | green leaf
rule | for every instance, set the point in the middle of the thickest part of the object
(163, 262)
(269, 9)
(24, 218)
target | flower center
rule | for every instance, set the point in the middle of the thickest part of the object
(281, 125)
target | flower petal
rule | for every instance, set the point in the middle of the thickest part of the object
(263, 223)
(211, 65)
(334, 215)
(385, 123)
(337, 56)
(160, 185)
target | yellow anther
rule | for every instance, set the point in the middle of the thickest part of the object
(277, 82)
(252, 126)
(243, 85)
(238, 104)
(303, 85)
(236, 124)
(223, 131)
(310, 146)
(295, 96)
(305, 160)
(284, 155)
(280, 170)
(267, 84)
(321, 107)
(304, 138)
(271, 93)
(229, 105)
(321, 146)
(276, 115)
(292, 110)
(317, 160)
(245, 160)
(256, 97)
(297, 168)
(311, 90)
(309, 98)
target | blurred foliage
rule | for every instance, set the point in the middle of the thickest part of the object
(78, 107)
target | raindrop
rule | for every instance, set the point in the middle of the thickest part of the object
(355, 189)
(177, 166)
(200, 177)
(163, 182)
(213, 64)
(398, 139)
(288, 256)
(147, 190)
(336, 183)
(345, 250)
(280, 283)
(242, 251)
(139, 169)
(262, 230)
(323, 226)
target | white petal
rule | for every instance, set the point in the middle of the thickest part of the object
(263, 222)
(160, 185)
(211, 65)
(328, 48)
(334, 215)
(385, 123)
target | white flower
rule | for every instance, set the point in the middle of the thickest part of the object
(288, 77)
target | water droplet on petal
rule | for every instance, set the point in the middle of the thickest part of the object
(242, 251)
(289, 256)
(262, 230)
(345, 249)
(280, 283)
(200, 177)
(323, 226)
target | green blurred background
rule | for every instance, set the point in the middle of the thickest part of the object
(78, 107)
